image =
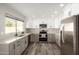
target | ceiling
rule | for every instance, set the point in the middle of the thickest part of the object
(38, 9)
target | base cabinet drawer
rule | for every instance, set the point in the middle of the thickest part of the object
(18, 47)
(22, 45)
(18, 51)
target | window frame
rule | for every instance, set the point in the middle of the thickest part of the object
(18, 32)
(15, 24)
(16, 19)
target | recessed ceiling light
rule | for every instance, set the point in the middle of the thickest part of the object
(61, 5)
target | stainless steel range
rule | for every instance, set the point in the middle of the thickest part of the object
(43, 32)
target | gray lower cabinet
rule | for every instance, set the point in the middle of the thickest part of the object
(20, 45)
(12, 48)
(57, 39)
(51, 38)
(34, 38)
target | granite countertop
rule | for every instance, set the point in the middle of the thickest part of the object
(7, 41)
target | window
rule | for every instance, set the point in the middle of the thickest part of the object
(10, 25)
(13, 26)
(20, 26)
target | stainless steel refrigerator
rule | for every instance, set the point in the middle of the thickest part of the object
(70, 35)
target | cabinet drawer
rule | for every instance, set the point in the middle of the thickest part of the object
(17, 43)
(18, 47)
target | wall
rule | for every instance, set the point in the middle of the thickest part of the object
(37, 30)
(33, 22)
(71, 9)
(3, 10)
